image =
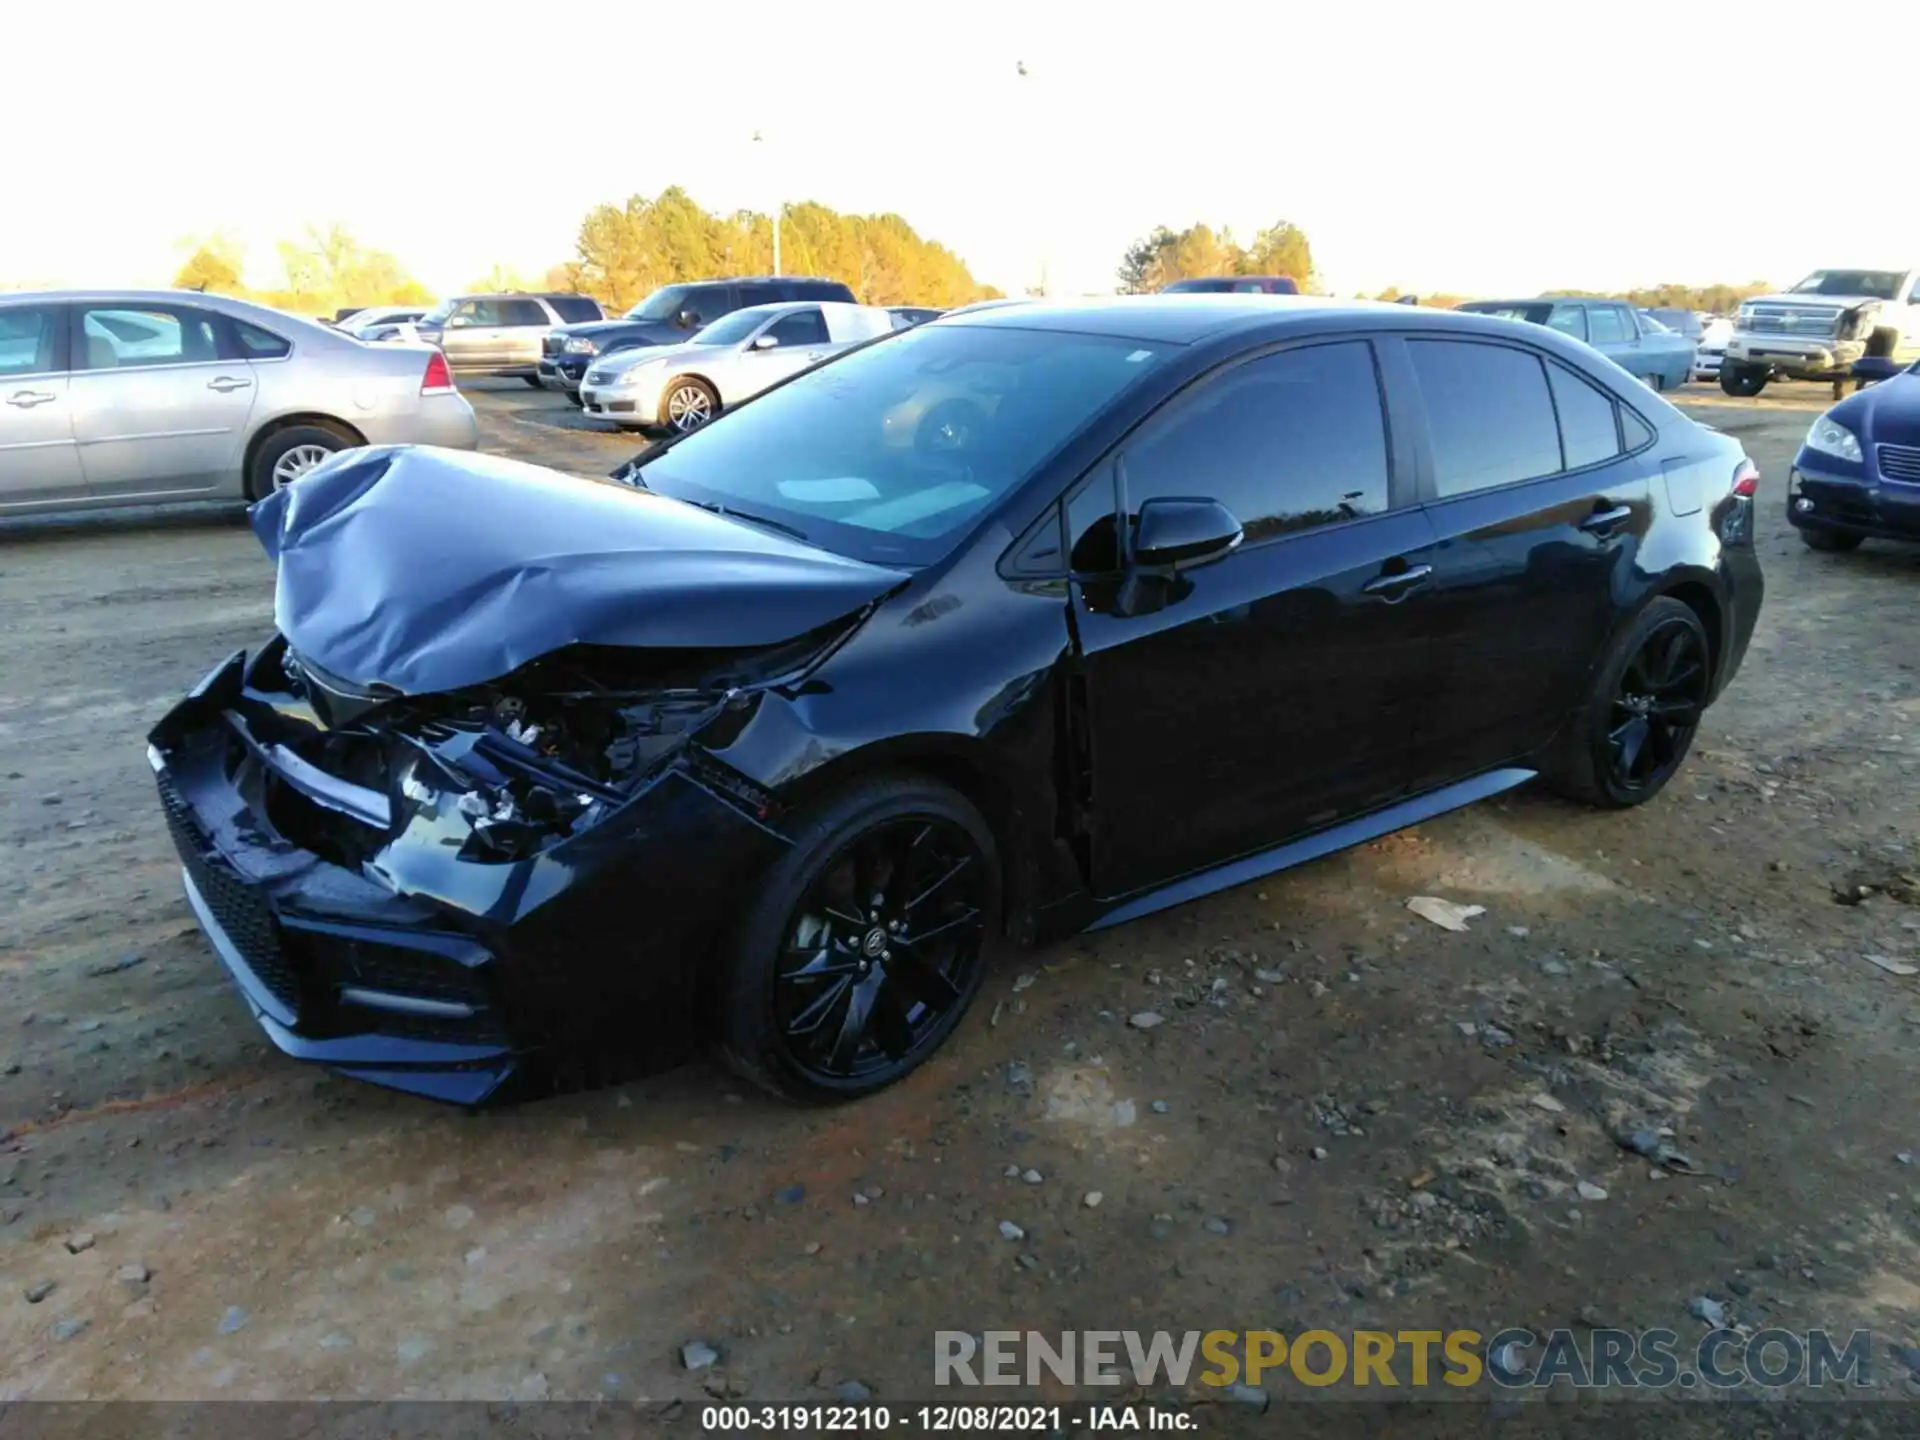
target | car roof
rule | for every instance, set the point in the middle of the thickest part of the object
(1185, 319)
(231, 305)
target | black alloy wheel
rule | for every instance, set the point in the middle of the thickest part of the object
(1641, 716)
(866, 944)
(1657, 706)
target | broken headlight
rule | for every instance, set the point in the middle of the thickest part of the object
(512, 775)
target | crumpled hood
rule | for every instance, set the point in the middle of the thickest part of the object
(426, 570)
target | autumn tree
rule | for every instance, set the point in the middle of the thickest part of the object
(214, 267)
(1164, 256)
(332, 270)
(628, 251)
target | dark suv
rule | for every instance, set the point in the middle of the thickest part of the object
(1234, 285)
(668, 316)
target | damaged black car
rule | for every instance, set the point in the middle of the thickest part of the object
(1018, 623)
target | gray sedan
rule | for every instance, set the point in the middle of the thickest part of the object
(145, 397)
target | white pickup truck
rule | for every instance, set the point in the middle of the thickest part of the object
(1819, 328)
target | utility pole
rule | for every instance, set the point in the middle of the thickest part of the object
(778, 206)
(1022, 72)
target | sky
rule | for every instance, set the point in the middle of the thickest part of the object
(1472, 147)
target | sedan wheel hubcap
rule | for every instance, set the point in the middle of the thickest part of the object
(688, 407)
(1657, 706)
(882, 950)
(297, 462)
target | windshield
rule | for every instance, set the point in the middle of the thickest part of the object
(663, 304)
(731, 329)
(887, 453)
(1879, 284)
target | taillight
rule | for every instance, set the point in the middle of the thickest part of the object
(438, 379)
(1746, 480)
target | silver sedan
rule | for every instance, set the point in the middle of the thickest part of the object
(146, 397)
(681, 387)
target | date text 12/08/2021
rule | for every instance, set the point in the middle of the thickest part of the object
(939, 1419)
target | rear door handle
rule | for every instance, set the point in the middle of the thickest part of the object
(1605, 522)
(27, 399)
(226, 383)
(1398, 584)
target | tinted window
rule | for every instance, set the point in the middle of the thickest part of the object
(1286, 442)
(803, 327)
(707, 302)
(258, 344)
(119, 337)
(1608, 324)
(1488, 413)
(765, 292)
(1568, 320)
(1588, 434)
(523, 312)
(29, 339)
(574, 308)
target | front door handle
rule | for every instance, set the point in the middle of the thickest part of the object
(27, 399)
(1605, 522)
(225, 384)
(1396, 585)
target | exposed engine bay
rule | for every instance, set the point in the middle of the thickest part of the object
(503, 769)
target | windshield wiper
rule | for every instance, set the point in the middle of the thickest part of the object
(732, 514)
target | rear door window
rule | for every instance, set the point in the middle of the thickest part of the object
(523, 312)
(31, 342)
(126, 337)
(575, 309)
(1489, 414)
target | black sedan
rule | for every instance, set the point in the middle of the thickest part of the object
(1025, 621)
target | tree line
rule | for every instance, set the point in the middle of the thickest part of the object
(622, 254)
(1164, 256)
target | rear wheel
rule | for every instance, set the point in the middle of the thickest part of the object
(286, 455)
(865, 943)
(1744, 381)
(1832, 542)
(1639, 721)
(1654, 380)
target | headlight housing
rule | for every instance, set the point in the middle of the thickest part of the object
(581, 345)
(1830, 437)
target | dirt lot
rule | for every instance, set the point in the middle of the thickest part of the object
(1349, 1117)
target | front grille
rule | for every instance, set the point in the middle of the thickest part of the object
(242, 912)
(1814, 323)
(1901, 462)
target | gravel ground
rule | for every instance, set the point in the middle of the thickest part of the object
(1348, 1117)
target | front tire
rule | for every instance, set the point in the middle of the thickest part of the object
(534, 381)
(1742, 381)
(688, 404)
(286, 455)
(1633, 733)
(1831, 542)
(864, 944)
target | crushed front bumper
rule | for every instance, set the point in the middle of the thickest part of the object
(562, 372)
(1822, 359)
(458, 980)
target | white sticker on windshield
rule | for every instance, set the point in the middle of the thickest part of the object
(1137, 356)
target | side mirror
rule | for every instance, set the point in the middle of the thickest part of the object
(1173, 535)
(765, 342)
(686, 320)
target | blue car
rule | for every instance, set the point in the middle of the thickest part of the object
(1858, 471)
(1638, 344)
